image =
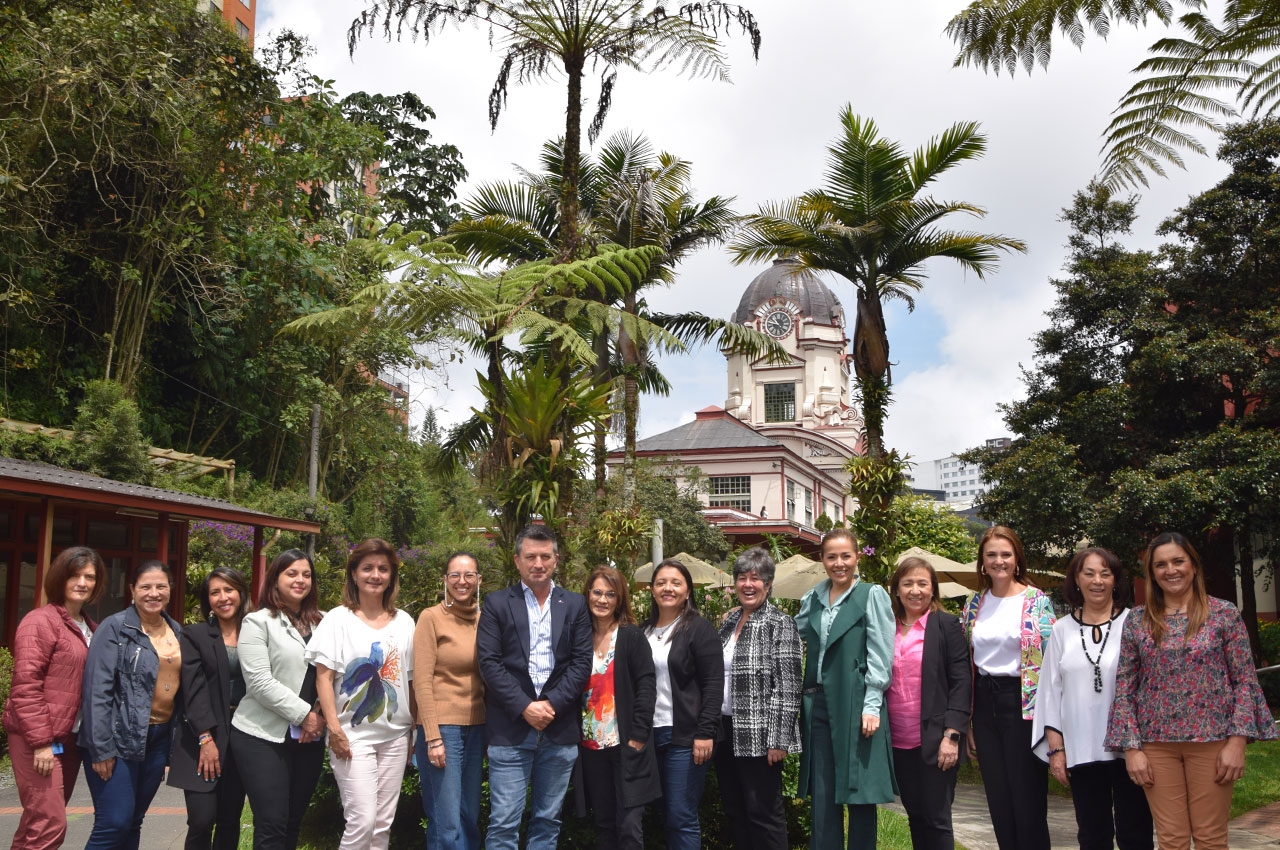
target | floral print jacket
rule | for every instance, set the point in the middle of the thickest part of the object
(1203, 689)
(1037, 626)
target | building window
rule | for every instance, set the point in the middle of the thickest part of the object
(248, 4)
(808, 507)
(731, 491)
(215, 6)
(242, 30)
(791, 500)
(779, 402)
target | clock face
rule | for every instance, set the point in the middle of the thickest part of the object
(778, 324)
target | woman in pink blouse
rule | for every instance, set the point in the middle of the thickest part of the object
(1187, 699)
(928, 701)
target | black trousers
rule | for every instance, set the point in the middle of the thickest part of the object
(1108, 805)
(1016, 782)
(927, 794)
(220, 808)
(279, 779)
(751, 793)
(618, 827)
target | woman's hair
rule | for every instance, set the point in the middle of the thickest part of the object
(755, 560)
(461, 553)
(309, 611)
(1197, 606)
(238, 584)
(149, 566)
(1020, 573)
(68, 563)
(1071, 586)
(622, 614)
(839, 534)
(367, 548)
(907, 565)
(690, 603)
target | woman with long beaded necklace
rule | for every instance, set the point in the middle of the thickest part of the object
(1077, 685)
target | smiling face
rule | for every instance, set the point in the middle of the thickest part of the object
(294, 583)
(1096, 582)
(915, 591)
(840, 560)
(462, 579)
(751, 590)
(1000, 561)
(79, 587)
(151, 592)
(372, 576)
(602, 600)
(536, 562)
(1173, 569)
(670, 592)
(224, 600)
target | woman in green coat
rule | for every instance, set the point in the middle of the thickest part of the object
(847, 627)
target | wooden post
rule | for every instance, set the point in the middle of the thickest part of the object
(178, 595)
(44, 554)
(257, 568)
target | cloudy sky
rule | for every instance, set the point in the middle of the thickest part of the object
(763, 137)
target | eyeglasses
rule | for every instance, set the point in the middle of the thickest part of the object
(597, 593)
(463, 576)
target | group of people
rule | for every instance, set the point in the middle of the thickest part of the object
(1145, 712)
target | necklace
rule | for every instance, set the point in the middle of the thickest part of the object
(1097, 665)
(661, 632)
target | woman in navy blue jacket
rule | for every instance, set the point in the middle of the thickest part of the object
(131, 682)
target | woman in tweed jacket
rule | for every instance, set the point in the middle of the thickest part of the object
(760, 713)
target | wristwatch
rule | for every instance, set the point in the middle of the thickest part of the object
(954, 736)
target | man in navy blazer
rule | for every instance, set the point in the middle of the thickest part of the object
(534, 648)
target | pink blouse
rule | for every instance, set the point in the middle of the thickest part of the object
(904, 686)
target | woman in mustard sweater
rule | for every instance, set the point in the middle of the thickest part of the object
(450, 696)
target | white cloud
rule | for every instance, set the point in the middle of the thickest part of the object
(764, 138)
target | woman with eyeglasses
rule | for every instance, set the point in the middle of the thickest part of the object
(450, 695)
(619, 768)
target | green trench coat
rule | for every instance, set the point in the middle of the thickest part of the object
(864, 766)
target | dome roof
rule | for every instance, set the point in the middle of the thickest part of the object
(804, 288)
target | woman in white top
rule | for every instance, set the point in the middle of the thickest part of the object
(363, 653)
(1007, 625)
(1077, 685)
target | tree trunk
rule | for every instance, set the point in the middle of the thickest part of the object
(600, 451)
(1219, 556)
(573, 68)
(630, 404)
(871, 366)
(1248, 593)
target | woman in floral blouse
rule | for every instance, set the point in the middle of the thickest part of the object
(1187, 699)
(1008, 625)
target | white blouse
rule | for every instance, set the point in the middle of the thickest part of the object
(1066, 699)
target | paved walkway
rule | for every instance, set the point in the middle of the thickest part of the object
(165, 827)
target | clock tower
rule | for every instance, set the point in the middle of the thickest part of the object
(806, 400)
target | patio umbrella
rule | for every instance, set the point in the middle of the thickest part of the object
(700, 571)
(949, 571)
(798, 583)
(791, 565)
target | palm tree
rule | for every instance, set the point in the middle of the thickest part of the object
(630, 197)
(871, 225)
(540, 38)
(1177, 94)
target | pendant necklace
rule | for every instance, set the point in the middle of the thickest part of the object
(1097, 665)
(661, 632)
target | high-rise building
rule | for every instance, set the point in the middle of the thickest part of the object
(239, 15)
(962, 482)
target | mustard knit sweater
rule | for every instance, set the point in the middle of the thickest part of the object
(446, 674)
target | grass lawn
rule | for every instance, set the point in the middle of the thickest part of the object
(1261, 782)
(892, 832)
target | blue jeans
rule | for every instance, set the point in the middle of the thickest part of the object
(682, 782)
(540, 767)
(451, 794)
(120, 803)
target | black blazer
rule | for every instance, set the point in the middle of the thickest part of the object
(205, 705)
(945, 684)
(502, 649)
(635, 690)
(696, 667)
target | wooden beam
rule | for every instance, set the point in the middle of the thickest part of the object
(258, 567)
(44, 553)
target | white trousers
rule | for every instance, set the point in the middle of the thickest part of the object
(369, 783)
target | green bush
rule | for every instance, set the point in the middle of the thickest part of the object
(6, 680)
(1269, 637)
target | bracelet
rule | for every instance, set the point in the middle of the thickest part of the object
(1055, 750)
(206, 738)
(431, 745)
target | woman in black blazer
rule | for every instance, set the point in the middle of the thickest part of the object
(928, 701)
(690, 677)
(619, 770)
(201, 762)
